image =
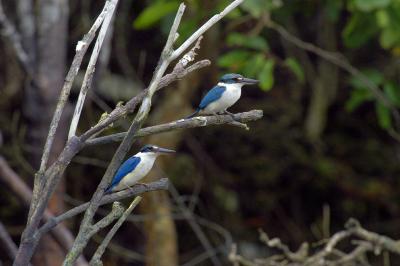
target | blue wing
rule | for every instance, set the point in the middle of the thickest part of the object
(211, 96)
(127, 167)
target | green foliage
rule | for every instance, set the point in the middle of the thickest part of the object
(257, 7)
(383, 115)
(251, 42)
(360, 29)
(296, 68)
(266, 75)
(154, 13)
(369, 5)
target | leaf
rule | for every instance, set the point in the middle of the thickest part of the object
(154, 13)
(383, 115)
(266, 75)
(254, 65)
(252, 42)
(234, 60)
(256, 7)
(390, 36)
(373, 75)
(392, 91)
(382, 18)
(369, 5)
(360, 28)
(358, 97)
(296, 68)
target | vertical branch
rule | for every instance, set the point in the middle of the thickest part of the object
(81, 240)
(96, 259)
(81, 49)
(87, 80)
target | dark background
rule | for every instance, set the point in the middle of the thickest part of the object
(324, 151)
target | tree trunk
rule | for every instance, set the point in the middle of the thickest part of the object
(325, 85)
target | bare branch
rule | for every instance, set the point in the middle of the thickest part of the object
(161, 184)
(17, 185)
(81, 49)
(204, 28)
(116, 212)
(96, 259)
(200, 121)
(87, 80)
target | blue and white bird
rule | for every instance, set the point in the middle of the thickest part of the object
(135, 168)
(224, 95)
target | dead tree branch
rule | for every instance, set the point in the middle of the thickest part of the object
(48, 177)
(200, 121)
(96, 259)
(365, 241)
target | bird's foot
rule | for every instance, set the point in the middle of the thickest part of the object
(142, 184)
(232, 115)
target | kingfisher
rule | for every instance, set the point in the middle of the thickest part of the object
(225, 94)
(136, 167)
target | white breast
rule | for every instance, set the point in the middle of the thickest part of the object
(230, 96)
(141, 170)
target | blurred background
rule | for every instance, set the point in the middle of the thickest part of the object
(326, 149)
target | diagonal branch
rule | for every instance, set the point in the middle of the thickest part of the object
(340, 61)
(96, 259)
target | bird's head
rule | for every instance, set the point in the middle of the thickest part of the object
(236, 79)
(155, 150)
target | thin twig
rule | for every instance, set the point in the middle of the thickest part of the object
(210, 250)
(96, 259)
(7, 241)
(340, 61)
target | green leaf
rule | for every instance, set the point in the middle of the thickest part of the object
(252, 42)
(266, 75)
(390, 36)
(368, 5)
(392, 91)
(234, 60)
(154, 13)
(383, 115)
(373, 75)
(358, 97)
(256, 7)
(296, 68)
(254, 65)
(382, 18)
(360, 29)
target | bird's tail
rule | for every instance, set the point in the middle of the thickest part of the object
(195, 113)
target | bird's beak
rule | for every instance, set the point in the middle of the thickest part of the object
(166, 151)
(249, 81)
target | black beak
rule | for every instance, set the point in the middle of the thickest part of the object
(249, 81)
(166, 151)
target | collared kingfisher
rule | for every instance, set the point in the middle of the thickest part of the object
(224, 95)
(135, 168)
